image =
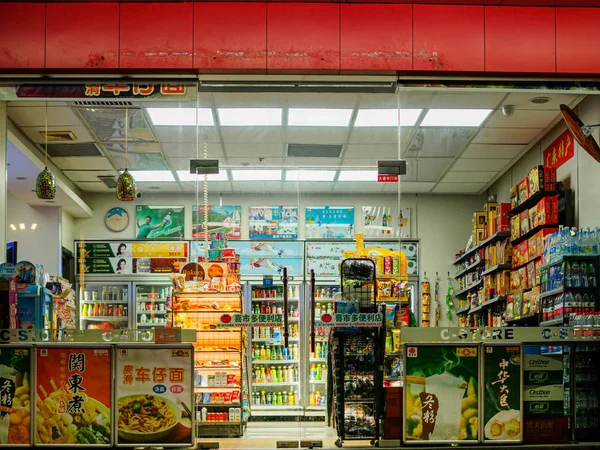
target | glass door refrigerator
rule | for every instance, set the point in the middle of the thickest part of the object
(152, 301)
(275, 372)
(105, 304)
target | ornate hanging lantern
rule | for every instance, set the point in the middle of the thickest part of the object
(125, 182)
(45, 184)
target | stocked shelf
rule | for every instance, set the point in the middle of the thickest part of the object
(463, 310)
(548, 323)
(153, 312)
(487, 304)
(275, 407)
(104, 302)
(218, 405)
(531, 202)
(562, 258)
(527, 318)
(105, 318)
(318, 381)
(274, 341)
(278, 361)
(274, 299)
(493, 238)
(146, 324)
(532, 233)
(318, 360)
(496, 268)
(469, 288)
(283, 383)
(468, 269)
(525, 263)
(227, 386)
(562, 289)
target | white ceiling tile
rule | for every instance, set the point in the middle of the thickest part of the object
(33, 103)
(428, 169)
(186, 134)
(477, 165)
(188, 150)
(522, 119)
(458, 188)
(364, 162)
(383, 135)
(378, 101)
(213, 186)
(468, 177)
(358, 188)
(94, 186)
(33, 133)
(317, 135)
(415, 99)
(312, 162)
(83, 163)
(180, 163)
(254, 162)
(464, 100)
(320, 100)
(248, 100)
(150, 188)
(36, 116)
(408, 187)
(254, 150)
(88, 175)
(505, 135)
(521, 100)
(252, 134)
(492, 151)
(375, 151)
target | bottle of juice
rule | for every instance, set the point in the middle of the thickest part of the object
(319, 371)
(268, 375)
(311, 399)
(317, 398)
(279, 375)
(263, 353)
(290, 397)
(313, 372)
(96, 309)
(84, 310)
(279, 398)
(263, 375)
(268, 353)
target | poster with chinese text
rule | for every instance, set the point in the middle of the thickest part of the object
(380, 222)
(269, 257)
(159, 222)
(153, 388)
(273, 222)
(15, 396)
(221, 219)
(74, 396)
(441, 393)
(329, 222)
(502, 412)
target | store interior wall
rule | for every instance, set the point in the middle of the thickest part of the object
(67, 230)
(42, 245)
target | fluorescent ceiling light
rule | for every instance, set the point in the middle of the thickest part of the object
(256, 175)
(12, 227)
(358, 175)
(152, 175)
(455, 117)
(185, 175)
(183, 117)
(22, 226)
(33, 226)
(312, 117)
(249, 117)
(386, 117)
(309, 175)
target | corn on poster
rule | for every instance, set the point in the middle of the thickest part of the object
(73, 401)
(15, 396)
(441, 393)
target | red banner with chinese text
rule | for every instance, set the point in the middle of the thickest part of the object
(560, 151)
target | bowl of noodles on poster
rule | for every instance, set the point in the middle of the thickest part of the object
(146, 418)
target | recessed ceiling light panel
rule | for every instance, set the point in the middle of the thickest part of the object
(387, 117)
(358, 175)
(455, 117)
(182, 117)
(256, 175)
(319, 117)
(150, 176)
(185, 175)
(249, 117)
(309, 175)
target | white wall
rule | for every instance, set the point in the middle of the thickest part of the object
(42, 245)
(67, 230)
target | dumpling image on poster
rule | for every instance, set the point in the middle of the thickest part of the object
(504, 426)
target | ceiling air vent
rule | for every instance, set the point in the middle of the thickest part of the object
(109, 181)
(103, 103)
(58, 136)
(314, 151)
(73, 150)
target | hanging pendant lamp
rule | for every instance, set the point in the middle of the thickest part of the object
(126, 183)
(45, 185)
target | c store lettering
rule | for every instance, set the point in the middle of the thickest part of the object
(8, 335)
(477, 334)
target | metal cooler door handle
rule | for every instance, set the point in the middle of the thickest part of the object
(286, 333)
(312, 311)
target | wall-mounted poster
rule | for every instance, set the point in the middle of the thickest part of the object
(273, 222)
(379, 221)
(221, 219)
(159, 222)
(329, 222)
(269, 258)
(15, 401)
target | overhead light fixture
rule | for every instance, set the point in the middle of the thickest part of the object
(250, 117)
(184, 175)
(256, 175)
(358, 175)
(387, 117)
(33, 226)
(21, 226)
(152, 175)
(13, 227)
(126, 182)
(455, 117)
(319, 117)
(45, 184)
(309, 175)
(182, 117)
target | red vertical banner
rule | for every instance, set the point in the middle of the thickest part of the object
(560, 151)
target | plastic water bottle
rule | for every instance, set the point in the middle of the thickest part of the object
(574, 250)
(584, 275)
(575, 280)
(567, 271)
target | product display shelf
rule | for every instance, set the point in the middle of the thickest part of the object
(529, 319)
(464, 310)
(525, 263)
(466, 290)
(532, 233)
(552, 322)
(487, 304)
(496, 268)
(470, 268)
(493, 238)
(531, 201)
(218, 378)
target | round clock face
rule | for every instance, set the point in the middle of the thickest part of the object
(116, 219)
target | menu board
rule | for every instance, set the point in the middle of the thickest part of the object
(502, 412)
(154, 391)
(441, 393)
(159, 222)
(273, 222)
(15, 397)
(329, 222)
(226, 220)
(74, 396)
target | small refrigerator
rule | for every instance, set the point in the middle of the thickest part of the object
(104, 304)
(151, 303)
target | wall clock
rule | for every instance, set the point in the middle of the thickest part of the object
(116, 219)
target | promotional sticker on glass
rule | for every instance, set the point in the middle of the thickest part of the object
(154, 391)
(273, 222)
(329, 222)
(269, 258)
(441, 401)
(226, 220)
(159, 222)
(502, 399)
(15, 397)
(325, 257)
(74, 396)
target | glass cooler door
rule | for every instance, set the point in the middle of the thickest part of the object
(151, 304)
(104, 306)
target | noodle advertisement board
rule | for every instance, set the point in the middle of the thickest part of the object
(441, 393)
(154, 390)
(502, 399)
(15, 396)
(73, 396)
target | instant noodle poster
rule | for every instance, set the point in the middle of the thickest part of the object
(154, 392)
(502, 414)
(441, 393)
(73, 396)
(15, 396)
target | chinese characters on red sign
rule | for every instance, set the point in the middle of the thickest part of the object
(387, 178)
(502, 377)
(156, 375)
(135, 90)
(560, 151)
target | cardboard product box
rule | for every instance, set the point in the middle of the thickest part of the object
(481, 219)
(490, 206)
(532, 247)
(504, 283)
(523, 187)
(542, 369)
(480, 236)
(515, 256)
(514, 197)
(510, 301)
(502, 218)
(535, 300)
(515, 281)
(530, 275)
(541, 239)
(533, 217)
(523, 277)
(538, 272)
(546, 430)
(523, 252)
(536, 179)
(517, 300)
(547, 211)
(545, 400)
(526, 303)
(515, 227)
(492, 223)
(524, 216)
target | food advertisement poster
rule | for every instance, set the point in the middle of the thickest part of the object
(269, 257)
(329, 222)
(273, 222)
(502, 413)
(154, 390)
(221, 219)
(379, 221)
(15, 396)
(73, 396)
(159, 222)
(441, 393)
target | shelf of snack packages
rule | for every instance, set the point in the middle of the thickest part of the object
(506, 290)
(202, 295)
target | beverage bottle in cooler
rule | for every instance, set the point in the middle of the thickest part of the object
(279, 398)
(268, 353)
(313, 372)
(591, 275)
(586, 304)
(567, 272)
(578, 303)
(269, 398)
(84, 310)
(279, 375)
(575, 276)
(318, 350)
(263, 398)
(583, 275)
(574, 238)
(319, 372)
(263, 353)
(267, 375)
(295, 374)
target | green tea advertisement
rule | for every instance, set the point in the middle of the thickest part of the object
(441, 393)
(502, 414)
(159, 222)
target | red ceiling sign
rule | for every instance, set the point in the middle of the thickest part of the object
(387, 178)
(560, 151)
